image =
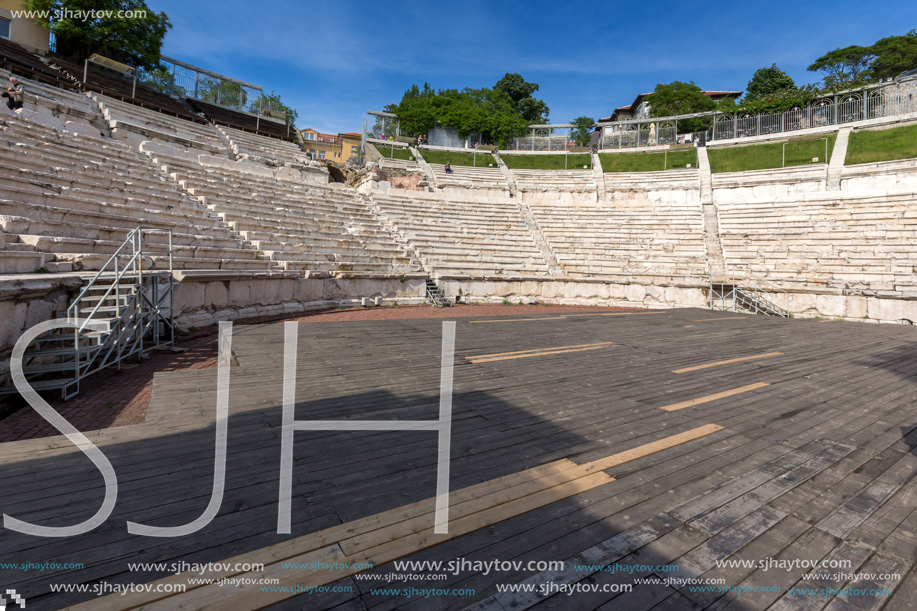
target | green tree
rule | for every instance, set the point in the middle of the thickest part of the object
(223, 93)
(520, 92)
(93, 26)
(582, 131)
(893, 55)
(844, 68)
(497, 113)
(679, 98)
(416, 111)
(161, 80)
(768, 81)
(272, 101)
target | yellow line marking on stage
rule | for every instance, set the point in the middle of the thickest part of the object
(720, 395)
(615, 314)
(487, 356)
(559, 316)
(687, 326)
(718, 363)
(609, 462)
(383, 537)
(723, 318)
(478, 322)
(525, 356)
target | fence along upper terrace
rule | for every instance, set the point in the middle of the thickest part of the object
(889, 99)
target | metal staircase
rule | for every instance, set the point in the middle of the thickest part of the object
(752, 295)
(122, 312)
(436, 296)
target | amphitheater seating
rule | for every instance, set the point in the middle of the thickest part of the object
(298, 226)
(115, 86)
(399, 164)
(146, 124)
(241, 120)
(568, 181)
(67, 202)
(602, 239)
(652, 181)
(824, 242)
(254, 145)
(884, 175)
(22, 62)
(464, 177)
(793, 178)
(465, 238)
(56, 102)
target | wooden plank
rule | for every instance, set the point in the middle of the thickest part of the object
(727, 362)
(525, 356)
(602, 554)
(603, 464)
(484, 356)
(213, 597)
(714, 397)
(412, 520)
(481, 322)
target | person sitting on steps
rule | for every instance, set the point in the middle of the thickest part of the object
(14, 94)
(448, 168)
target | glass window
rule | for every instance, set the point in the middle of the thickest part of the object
(321, 154)
(310, 136)
(4, 28)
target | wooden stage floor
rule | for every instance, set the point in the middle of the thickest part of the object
(702, 458)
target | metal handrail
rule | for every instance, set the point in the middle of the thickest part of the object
(756, 291)
(131, 325)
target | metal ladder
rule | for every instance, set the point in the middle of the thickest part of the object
(129, 309)
(436, 296)
(754, 295)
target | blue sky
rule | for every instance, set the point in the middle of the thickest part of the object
(334, 60)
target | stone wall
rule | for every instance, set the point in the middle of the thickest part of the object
(645, 292)
(663, 292)
(27, 300)
(205, 299)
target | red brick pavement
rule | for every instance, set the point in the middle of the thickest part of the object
(120, 398)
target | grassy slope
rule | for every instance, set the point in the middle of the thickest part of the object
(393, 153)
(882, 145)
(546, 162)
(647, 162)
(466, 159)
(768, 156)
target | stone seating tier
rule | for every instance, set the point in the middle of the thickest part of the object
(298, 226)
(468, 177)
(61, 100)
(574, 181)
(245, 143)
(23, 62)
(114, 86)
(866, 243)
(75, 199)
(791, 176)
(159, 125)
(653, 181)
(466, 239)
(598, 239)
(240, 120)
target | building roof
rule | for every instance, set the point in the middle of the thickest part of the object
(640, 97)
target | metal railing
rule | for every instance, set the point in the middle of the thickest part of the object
(139, 310)
(749, 293)
(888, 99)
